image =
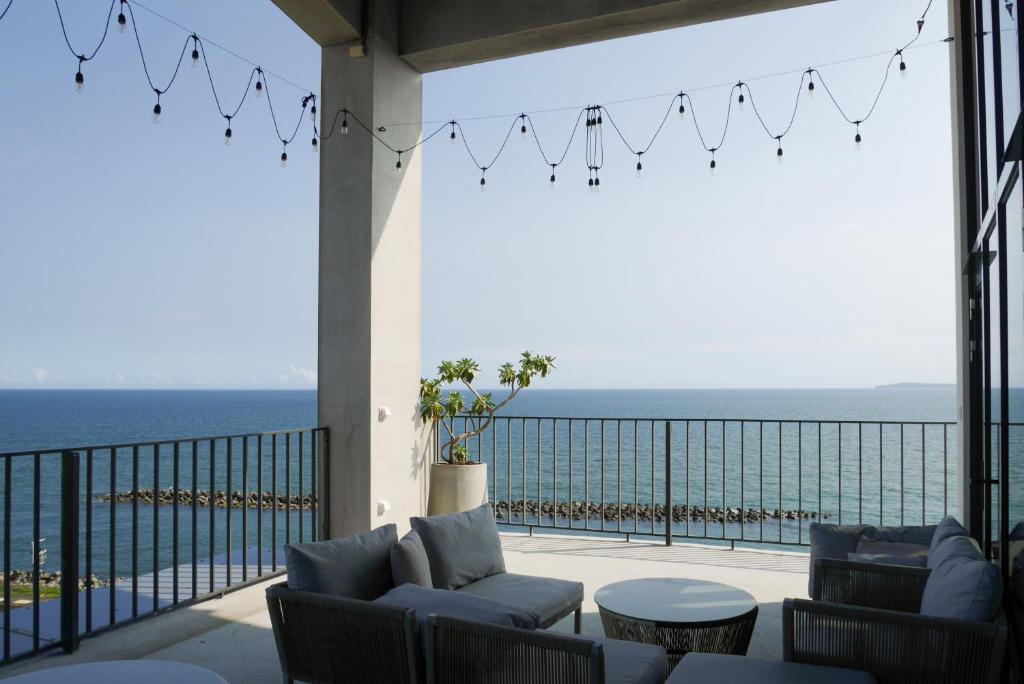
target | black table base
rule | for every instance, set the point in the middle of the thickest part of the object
(726, 636)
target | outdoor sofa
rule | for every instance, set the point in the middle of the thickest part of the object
(356, 609)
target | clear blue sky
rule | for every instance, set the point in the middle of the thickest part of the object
(137, 255)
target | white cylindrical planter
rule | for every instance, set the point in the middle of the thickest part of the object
(456, 488)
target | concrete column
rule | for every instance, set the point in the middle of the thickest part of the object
(369, 285)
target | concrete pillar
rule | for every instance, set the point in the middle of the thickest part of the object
(369, 285)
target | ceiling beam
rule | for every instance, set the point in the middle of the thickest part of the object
(441, 34)
(328, 22)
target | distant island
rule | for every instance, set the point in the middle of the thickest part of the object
(919, 385)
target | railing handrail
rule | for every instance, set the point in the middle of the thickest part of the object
(161, 442)
(822, 421)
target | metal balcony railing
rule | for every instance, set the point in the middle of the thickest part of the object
(732, 480)
(100, 536)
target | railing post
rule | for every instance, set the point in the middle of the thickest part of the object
(69, 551)
(668, 483)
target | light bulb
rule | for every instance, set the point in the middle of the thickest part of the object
(810, 89)
(857, 141)
(778, 156)
(312, 113)
(195, 58)
(551, 181)
(597, 185)
(522, 131)
(712, 167)
(284, 159)
(639, 170)
(122, 23)
(344, 126)
(903, 69)
(157, 111)
(227, 136)
(451, 138)
(316, 145)
(590, 185)
(483, 183)
(740, 100)
(682, 112)
(79, 81)
(259, 88)
(398, 165)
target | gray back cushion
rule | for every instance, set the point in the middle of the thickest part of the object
(358, 567)
(409, 562)
(948, 527)
(886, 559)
(832, 541)
(462, 547)
(963, 585)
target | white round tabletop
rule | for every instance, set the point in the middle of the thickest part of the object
(674, 600)
(122, 672)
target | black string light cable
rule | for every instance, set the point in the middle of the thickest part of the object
(593, 115)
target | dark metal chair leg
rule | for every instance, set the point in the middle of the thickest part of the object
(578, 620)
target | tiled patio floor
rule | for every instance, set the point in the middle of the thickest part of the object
(232, 635)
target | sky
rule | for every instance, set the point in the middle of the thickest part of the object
(137, 255)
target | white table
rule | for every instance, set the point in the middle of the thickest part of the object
(122, 672)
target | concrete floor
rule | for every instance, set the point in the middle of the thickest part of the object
(232, 635)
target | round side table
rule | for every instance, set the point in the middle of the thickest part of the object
(681, 615)
(122, 672)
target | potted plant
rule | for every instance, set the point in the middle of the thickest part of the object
(456, 483)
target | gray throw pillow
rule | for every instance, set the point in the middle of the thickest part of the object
(947, 527)
(964, 547)
(462, 547)
(885, 559)
(832, 541)
(963, 588)
(358, 567)
(409, 562)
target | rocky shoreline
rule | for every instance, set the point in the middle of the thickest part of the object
(51, 579)
(218, 498)
(579, 510)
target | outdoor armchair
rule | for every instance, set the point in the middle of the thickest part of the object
(323, 638)
(897, 647)
(469, 652)
(869, 585)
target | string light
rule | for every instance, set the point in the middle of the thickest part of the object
(551, 181)
(713, 166)
(483, 180)
(284, 155)
(398, 164)
(593, 115)
(639, 166)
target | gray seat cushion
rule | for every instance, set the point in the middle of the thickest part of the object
(629, 662)
(915, 554)
(546, 600)
(409, 562)
(918, 561)
(462, 547)
(427, 600)
(357, 567)
(908, 534)
(706, 668)
(832, 541)
(947, 527)
(962, 586)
